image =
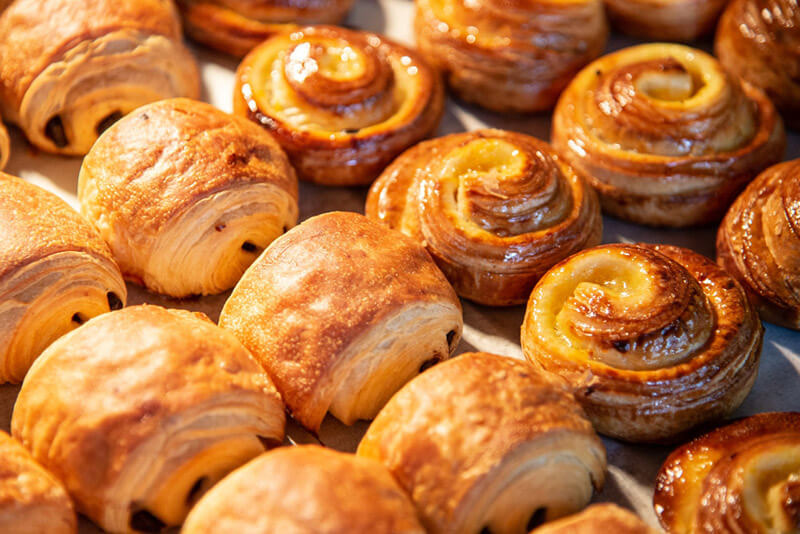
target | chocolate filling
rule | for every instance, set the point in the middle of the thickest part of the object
(196, 490)
(450, 336)
(54, 130)
(247, 246)
(79, 318)
(427, 364)
(114, 302)
(537, 519)
(144, 521)
(106, 123)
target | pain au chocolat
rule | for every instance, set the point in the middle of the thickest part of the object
(653, 339)
(187, 196)
(140, 411)
(341, 312)
(487, 444)
(598, 519)
(665, 20)
(306, 490)
(342, 103)
(665, 134)
(495, 209)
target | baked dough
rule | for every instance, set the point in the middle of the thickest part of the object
(139, 411)
(342, 103)
(341, 312)
(70, 68)
(653, 339)
(5, 145)
(665, 20)
(306, 490)
(598, 519)
(665, 135)
(187, 196)
(495, 209)
(55, 274)
(485, 443)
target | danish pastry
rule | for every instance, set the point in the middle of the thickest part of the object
(187, 196)
(140, 411)
(665, 135)
(598, 519)
(665, 20)
(342, 103)
(71, 68)
(484, 443)
(341, 312)
(495, 209)
(654, 340)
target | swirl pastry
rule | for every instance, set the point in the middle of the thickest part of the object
(5, 146)
(665, 135)
(744, 477)
(495, 209)
(187, 196)
(138, 412)
(665, 20)
(306, 490)
(486, 444)
(32, 501)
(598, 519)
(759, 243)
(342, 103)
(55, 274)
(373, 312)
(654, 340)
(71, 68)
(759, 41)
(238, 26)
(512, 56)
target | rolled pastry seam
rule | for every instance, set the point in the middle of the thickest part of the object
(665, 20)
(5, 146)
(598, 519)
(173, 402)
(187, 196)
(484, 443)
(373, 313)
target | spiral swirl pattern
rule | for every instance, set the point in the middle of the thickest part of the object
(665, 20)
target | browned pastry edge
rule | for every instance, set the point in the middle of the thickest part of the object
(665, 20)
(598, 519)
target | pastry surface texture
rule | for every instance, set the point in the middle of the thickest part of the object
(598, 519)
(5, 145)
(665, 20)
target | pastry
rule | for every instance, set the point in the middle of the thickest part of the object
(759, 40)
(306, 490)
(665, 20)
(495, 209)
(653, 339)
(32, 501)
(487, 444)
(187, 196)
(238, 26)
(598, 519)
(5, 146)
(744, 477)
(342, 103)
(759, 243)
(341, 312)
(140, 411)
(511, 56)
(71, 68)
(665, 135)
(55, 274)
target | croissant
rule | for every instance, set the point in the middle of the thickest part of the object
(55, 274)
(484, 443)
(759, 41)
(141, 410)
(71, 68)
(306, 489)
(5, 145)
(739, 478)
(342, 103)
(665, 20)
(32, 501)
(341, 312)
(510, 56)
(495, 209)
(598, 519)
(758, 242)
(665, 135)
(237, 26)
(653, 339)
(187, 196)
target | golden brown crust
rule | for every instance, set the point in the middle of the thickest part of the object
(495, 209)
(140, 410)
(487, 442)
(510, 55)
(32, 501)
(665, 20)
(759, 40)
(738, 478)
(5, 145)
(598, 519)
(372, 309)
(342, 103)
(306, 490)
(187, 196)
(654, 339)
(759, 243)
(665, 135)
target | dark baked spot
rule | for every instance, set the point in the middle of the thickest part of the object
(219, 227)
(144, 521)
(427, 364)
(352, 130)
(247, 246)
(622, 346)
(450, 336)
(79, 318)
(537, 519)
(269, 443)
(54, 130)
(114, 302)
(195, 491)
(485, 530)
(106, 123)
(285, 229)
(235, 158)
